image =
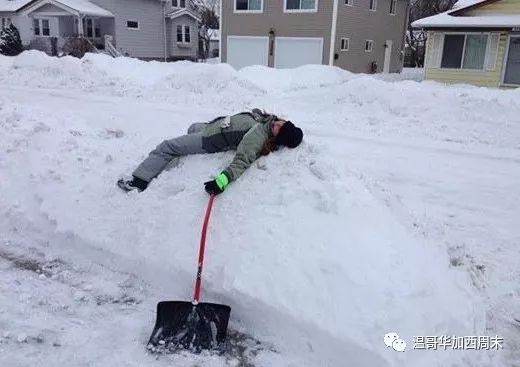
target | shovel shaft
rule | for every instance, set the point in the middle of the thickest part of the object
(198, 281)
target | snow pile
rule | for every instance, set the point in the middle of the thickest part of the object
(309, 260)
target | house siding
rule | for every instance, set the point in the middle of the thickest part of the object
(476, 77)
(183, 51)
(359, 24)
(148, 41)
(316, 25)
(500, 7)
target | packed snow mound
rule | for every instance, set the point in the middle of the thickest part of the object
(299, 247)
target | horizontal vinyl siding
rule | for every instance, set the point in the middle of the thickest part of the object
(499, 7)
(475, 77)
(359, 24)
(315, 25)
(147, 42)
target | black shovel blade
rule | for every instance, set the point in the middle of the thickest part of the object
(184, 325)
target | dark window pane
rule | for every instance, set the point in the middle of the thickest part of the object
(183, 3)
(187, 34)
(241, 4)
(452, 51)
(179, 33)
(36, 26)
(45, 27)
(293, 4)
(132, 24)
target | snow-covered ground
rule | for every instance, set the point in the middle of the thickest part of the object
(398, 213)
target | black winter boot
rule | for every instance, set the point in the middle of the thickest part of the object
(135, 183)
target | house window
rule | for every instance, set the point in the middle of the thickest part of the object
(41, 27)
(345, 44)
(132, 24)
(6, 22)
(179, 3)
(36, 26)
(254, 6)
(183, 34)
(464, 51)
(369, 45)
(349, 2)
(393, 6)
(187, 34)
(301, 5)
(90, 28)
(373, 5)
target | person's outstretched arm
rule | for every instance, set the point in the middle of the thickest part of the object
(247, 152)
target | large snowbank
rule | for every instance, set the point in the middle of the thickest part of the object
(306, 256)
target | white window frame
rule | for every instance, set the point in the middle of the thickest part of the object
(370, 8)
(235, 10)
(178, 4)
(131, 28)
(40, 25)
(285, 10)
(183, 32)
(371, 45)
(393, 6)
(488, 34)
(349, 2)
(341, 44)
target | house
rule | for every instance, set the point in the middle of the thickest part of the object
(145, 29)
(357, 35)
(477, 42)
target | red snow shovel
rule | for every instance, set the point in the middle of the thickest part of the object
(191, 325)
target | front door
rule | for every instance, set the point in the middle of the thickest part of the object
(512, 74)
(388, 56)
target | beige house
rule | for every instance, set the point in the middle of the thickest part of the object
(357, 35)
(476, 43)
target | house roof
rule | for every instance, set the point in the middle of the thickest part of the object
(180, 12)
(12, 5)
(453, 19)
(83, 7)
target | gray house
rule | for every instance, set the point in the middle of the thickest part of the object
(146, 29)
(357, 35)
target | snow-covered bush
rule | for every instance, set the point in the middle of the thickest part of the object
(10, 42)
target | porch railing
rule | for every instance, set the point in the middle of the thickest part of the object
(110, 48)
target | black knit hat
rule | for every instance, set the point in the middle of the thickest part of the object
(289, 135)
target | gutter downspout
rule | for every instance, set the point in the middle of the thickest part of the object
(164, 29)
(221, 33)
(403, 46)
(333, 33)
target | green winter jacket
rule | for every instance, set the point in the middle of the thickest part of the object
(246, 132)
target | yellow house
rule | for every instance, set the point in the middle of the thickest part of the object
(477, 42)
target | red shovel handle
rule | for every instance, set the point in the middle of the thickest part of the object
(202, 247)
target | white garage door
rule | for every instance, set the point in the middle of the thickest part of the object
(291, 52)
(245, 51)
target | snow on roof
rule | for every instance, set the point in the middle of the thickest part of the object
(465, 3)
(12, 5)
(84, 7)
(179, 12)
(449, 20)
(214, 34)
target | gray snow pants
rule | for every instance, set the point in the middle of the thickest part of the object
(159, 158)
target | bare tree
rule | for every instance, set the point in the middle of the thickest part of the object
(208, 12)
(415, 38)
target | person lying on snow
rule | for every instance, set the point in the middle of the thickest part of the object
(252, 134)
